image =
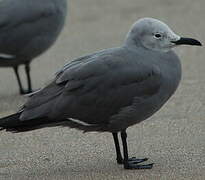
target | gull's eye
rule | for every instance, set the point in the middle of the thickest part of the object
(157, 35)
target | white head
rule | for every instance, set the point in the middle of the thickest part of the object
(155, 35)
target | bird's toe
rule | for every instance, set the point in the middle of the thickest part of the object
(138, 166)
(134, 160)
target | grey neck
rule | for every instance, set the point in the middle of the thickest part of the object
(132, 42)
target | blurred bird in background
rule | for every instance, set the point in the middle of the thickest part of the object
(27, 29)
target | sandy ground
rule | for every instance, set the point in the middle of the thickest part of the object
(174, 138)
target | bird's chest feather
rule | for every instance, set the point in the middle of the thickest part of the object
(171, 76)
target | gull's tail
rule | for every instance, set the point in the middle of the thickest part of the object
(14, 124)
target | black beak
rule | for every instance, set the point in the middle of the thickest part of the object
(187, 41)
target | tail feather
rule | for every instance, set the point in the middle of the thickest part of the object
(9, 121)
(12, 123)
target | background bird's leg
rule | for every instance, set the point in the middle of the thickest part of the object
(117, 148)
(19, 80)
(27, 70)
(132, 163)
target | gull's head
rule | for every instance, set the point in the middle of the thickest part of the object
(155, 35)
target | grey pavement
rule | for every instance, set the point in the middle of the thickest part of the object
(173, 138)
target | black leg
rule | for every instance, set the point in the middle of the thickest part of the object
(19, 80)
(132, 163)
(117, 148)
(27, 70)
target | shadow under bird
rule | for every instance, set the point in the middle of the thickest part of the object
(110, 90)
(27, 29)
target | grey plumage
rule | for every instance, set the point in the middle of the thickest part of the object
(96, 91)
(27, 29)
(109, 90)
